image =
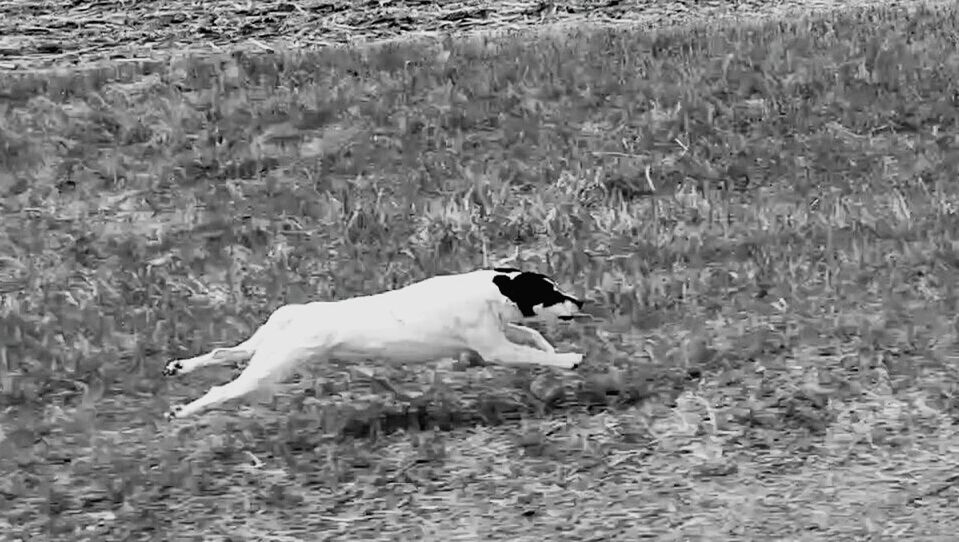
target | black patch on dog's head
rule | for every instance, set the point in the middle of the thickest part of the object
(527, 290)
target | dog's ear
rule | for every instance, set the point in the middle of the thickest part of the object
(513, 289)
(535, 292)
(504, 283)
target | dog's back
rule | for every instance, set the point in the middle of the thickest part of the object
(459, 285)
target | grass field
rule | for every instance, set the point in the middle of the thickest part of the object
(764, 219)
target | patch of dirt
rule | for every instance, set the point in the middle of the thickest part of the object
(73, 33)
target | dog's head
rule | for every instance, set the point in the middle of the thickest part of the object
(535, 294)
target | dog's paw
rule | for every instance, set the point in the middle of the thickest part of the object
(571, 360)
(174, 412)
(173, 368)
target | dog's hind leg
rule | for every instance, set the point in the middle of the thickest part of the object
(216, 396)
(235, 354)
(269, 364)
(218, 356)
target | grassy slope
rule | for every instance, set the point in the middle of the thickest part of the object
(783, 301)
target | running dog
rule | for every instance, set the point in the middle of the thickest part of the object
(440, 317)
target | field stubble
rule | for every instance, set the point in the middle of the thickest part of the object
(764, 218)
(81, 33)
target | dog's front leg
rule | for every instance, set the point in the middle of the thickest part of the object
(533, 336)
(507, 353)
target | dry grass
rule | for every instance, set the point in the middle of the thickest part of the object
(764, 219)
(80, 33)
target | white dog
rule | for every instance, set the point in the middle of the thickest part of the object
(440, 317)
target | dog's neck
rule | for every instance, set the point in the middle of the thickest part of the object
(507, 312)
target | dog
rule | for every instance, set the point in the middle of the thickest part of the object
(441, 317)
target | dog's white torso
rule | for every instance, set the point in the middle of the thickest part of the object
(422, 322)
(440, 317)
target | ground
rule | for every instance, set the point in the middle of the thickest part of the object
(763, 216)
